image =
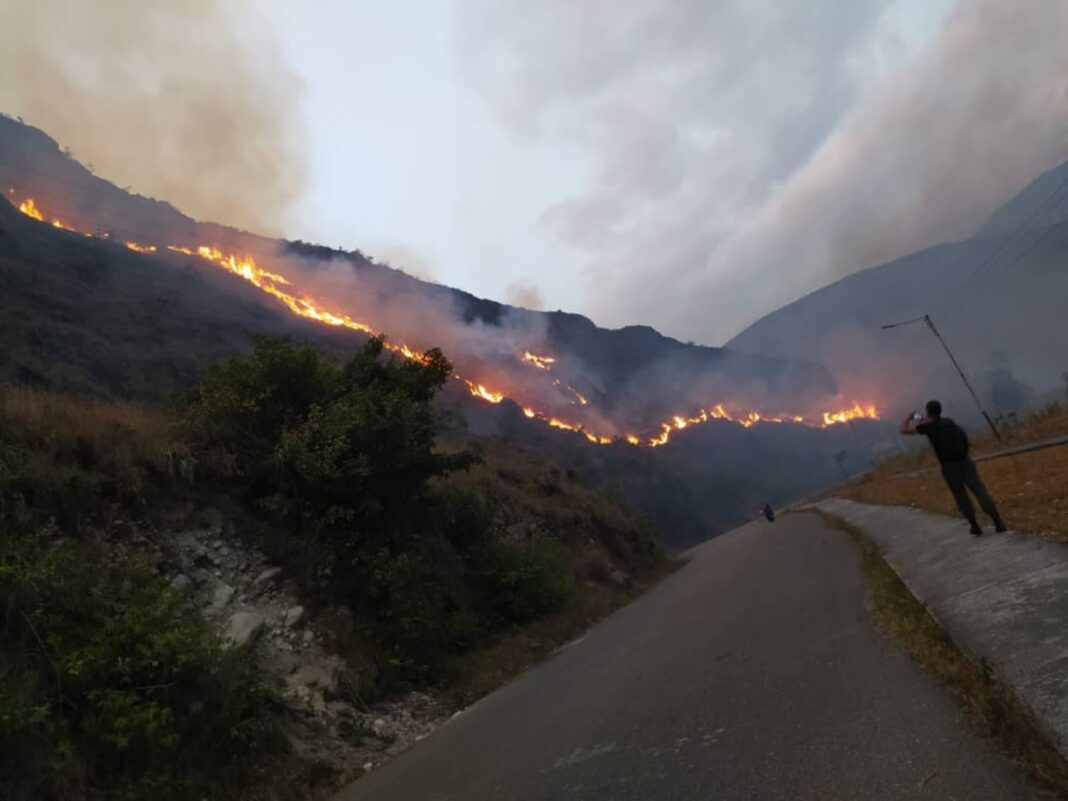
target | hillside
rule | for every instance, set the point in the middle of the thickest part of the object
(997, 297)
(619, 371)
(91, 316)
(174, 629)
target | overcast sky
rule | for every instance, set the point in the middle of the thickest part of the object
(686, 164)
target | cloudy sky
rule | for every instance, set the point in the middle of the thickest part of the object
(686, 164)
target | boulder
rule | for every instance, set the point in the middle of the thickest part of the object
(222, 596)
(243, 628)
(266, 578)
(293, 616)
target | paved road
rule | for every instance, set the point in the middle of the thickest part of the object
(752, 673)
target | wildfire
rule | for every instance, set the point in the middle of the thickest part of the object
(29, 208)
(541, 362)
(279, 287)
(577, 398)
(479, 391)
(856, 413)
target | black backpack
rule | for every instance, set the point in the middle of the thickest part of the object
(955, 443)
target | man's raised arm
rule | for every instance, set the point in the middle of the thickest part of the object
(908, 426)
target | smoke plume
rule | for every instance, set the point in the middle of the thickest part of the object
(748, 153)
(189, 102)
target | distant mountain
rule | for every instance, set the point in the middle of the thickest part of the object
(1000, 299)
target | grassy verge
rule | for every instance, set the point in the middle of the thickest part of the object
(989, 700)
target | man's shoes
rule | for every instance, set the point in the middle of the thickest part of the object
(999, 525)
(975, 530)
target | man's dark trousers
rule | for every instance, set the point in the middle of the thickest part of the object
(961, 475)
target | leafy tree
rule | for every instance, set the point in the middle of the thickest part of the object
(343, 455)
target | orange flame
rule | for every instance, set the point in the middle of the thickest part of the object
(141, 248)
(479, 391)
(541, 362)
(29, 208)
(856, 413)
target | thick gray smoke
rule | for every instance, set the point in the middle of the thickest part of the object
(191, 101)
(752, 152)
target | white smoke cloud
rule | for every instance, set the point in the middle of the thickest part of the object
(752, 152)
(190, 102)
(525, 295)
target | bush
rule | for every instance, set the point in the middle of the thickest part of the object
(110, 683)
(522, 583)
(342, 456)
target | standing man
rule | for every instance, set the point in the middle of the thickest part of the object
(952, 448)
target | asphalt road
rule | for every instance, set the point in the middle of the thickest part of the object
(752, 673)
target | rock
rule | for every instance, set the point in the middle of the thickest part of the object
(517, 532)
(293, 616)
(217, 544)
(368, 767)
(222, 596)
(324, 674)
(224, 551)
(309, 636)
(181, 583)
(243, 628)
(200, 557)
(266, 578)
(619, 578)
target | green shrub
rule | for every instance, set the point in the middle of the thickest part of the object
(522, 583)
(342, 456)
(109, 678)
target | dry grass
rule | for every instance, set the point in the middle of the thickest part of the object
(109, 432)
(984, 696)
(1030, 488)
(78, 459)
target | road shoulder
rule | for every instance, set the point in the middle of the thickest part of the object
(1002, 598)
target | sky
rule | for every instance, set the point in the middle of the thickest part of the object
(687, 164)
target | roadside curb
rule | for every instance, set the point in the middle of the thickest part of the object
(1003, 599)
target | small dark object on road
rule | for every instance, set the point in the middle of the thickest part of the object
(769, 513)
(952, 448)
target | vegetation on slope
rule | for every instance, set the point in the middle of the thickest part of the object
(110, 682)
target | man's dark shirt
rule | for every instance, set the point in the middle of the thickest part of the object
(948, 439)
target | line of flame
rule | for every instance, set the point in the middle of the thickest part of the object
(303, 306)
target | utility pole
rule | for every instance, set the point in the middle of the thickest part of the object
(926, 319)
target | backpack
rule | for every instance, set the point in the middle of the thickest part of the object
(955, 443)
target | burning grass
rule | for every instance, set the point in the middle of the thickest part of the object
(276, 285)
(989, 700)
